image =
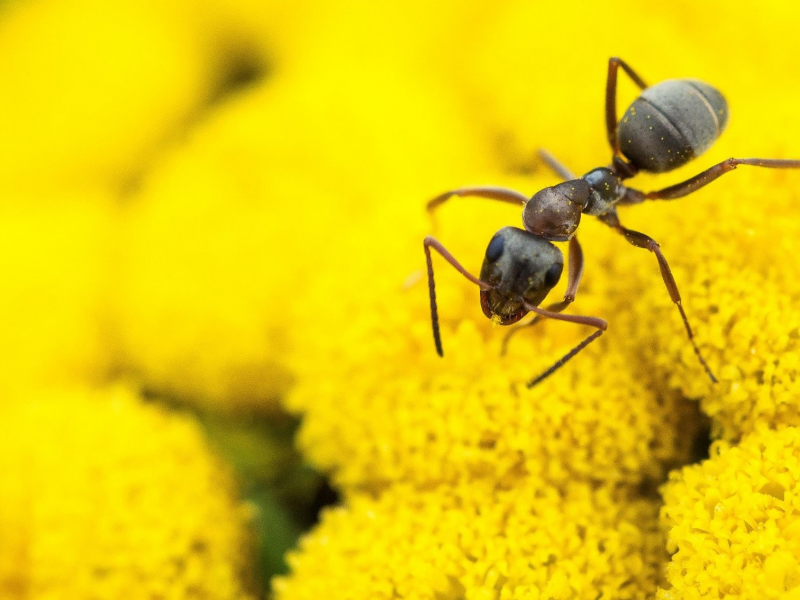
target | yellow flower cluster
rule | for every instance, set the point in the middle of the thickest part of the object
(224, 202)
(95, 95)
(208, 249)
(462, 435)
(95, 91)
(55, 296)
(733, 520)
(732, 254)
(476, 541)
(408, 416)
(102, 496)
(390, 419)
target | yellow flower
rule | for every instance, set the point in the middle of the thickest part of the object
(732, 520)
(274, 254)
(383, 413)
(473, 541)
(731, 257)
(228, 235)
(729, 245)
(103, 496)
(381, 407)
(55, 309)
(94, 91)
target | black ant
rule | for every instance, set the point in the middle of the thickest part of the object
(667, 126)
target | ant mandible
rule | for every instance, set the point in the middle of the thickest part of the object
(667, 126)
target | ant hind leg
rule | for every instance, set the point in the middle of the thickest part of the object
(679, 190)
(614, 63)
(640, 240)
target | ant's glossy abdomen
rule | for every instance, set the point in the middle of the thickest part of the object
(671, 123)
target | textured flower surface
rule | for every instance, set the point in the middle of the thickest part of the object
(383, 412)
(474, 541)
(733, 520)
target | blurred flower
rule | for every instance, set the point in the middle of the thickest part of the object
(103, 496)
(55, 294)
(213, 274)
(95, 91)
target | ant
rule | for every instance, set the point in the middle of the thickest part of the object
(668, 125)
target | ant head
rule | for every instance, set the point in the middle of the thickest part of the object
(554, 213)
(519, 266)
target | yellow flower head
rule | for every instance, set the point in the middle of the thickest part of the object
(381, 407)
(275, 255)
(733, 523)
(384, 413)
(95, 91)
(228, 235)
(54, 293)
(528, 541)
(103, 496)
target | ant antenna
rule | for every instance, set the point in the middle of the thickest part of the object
(433, 242)
(437, 337)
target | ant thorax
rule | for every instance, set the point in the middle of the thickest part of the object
(606, 190)
(554, 213)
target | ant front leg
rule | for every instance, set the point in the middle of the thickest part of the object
(693, 184)
(614, 63)
(641, 240)
(436, 245)
(600, 324)
(574, 276)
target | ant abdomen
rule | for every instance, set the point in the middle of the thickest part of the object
(671, 123)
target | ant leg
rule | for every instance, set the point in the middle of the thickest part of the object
(695, 183)
(614, 64)
(555, 165)
(641, 240)
(575, 271)
(592, 321)
(489, 192)
(432, 242)
(574, 280)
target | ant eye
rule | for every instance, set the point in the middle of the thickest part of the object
(553, 275)
(495, 249)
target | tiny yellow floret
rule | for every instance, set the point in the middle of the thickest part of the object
(476, 541)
